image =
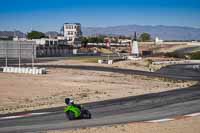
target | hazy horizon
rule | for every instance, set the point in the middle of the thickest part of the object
(50, 15)
(103, 27)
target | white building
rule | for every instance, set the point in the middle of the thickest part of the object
(16, 38)
(72, 33)
(158, 41)
(124, 41)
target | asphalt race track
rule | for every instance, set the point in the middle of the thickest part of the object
(130, 109)
(176, 72)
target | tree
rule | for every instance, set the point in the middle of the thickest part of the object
(35, 35)
(124, 37)
(99, 39)
(92, 40)
(145, 37)
(84, 41)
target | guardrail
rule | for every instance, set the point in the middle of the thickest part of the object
(177, 62)
(111, 58)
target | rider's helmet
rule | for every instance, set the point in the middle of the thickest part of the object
(69, 101)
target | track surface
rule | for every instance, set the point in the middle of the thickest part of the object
(131, 109)
(177, 72)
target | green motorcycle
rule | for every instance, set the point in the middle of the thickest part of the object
(74, 111)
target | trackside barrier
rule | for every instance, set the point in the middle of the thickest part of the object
(34, 71)
(105, 62)
(176, 62)
(158, 65)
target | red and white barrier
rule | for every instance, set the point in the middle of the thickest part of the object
(35, 71)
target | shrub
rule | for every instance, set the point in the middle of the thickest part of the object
(195, 56)
(172, 54)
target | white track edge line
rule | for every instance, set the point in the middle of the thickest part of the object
(193, 114)
(23, 115)
(160, 120)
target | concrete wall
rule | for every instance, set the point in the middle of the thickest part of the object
(164, 43)
(194, 43)
(53, 52)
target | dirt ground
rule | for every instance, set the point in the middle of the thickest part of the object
(170, 48)
(21, 92)
(187, 125)
(142, 64)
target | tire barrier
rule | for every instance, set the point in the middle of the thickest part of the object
(28, 70)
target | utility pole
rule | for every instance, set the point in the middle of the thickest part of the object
(19, 54)
(6, 60)
(32, 55)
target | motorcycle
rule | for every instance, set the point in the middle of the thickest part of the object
(74, 112)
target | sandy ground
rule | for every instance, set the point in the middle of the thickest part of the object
(142, 64)
(187, 125)
(20, 92)
(171, 48)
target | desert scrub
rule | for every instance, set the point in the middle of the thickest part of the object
(149, 62)
(195, 56)
(173, 55)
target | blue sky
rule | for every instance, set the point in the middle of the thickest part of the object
(48, 15)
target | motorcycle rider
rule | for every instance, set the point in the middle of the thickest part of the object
(70, 102)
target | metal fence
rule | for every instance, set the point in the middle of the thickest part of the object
(16, 51)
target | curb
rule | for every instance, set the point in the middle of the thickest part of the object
(174, 118)
(24, 115)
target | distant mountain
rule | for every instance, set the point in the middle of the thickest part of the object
(52, 34)
(20, 34)
(163, 32)
(12, 34)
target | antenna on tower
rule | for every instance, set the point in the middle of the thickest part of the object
(14, 32)
(135, 36)
(62, 30)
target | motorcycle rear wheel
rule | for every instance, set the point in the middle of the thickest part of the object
(86, 114)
